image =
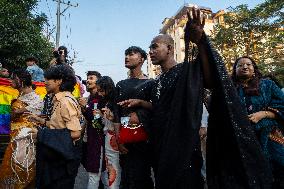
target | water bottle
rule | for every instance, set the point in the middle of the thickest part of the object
(96, 116)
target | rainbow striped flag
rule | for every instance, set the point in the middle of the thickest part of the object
(41, 91)
(8, 94)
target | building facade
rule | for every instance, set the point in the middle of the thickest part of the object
(174, 27)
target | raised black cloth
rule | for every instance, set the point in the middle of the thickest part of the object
(234, 156)
(57, 158)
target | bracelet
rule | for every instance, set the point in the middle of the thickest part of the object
(266, 114)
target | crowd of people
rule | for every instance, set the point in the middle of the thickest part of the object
(148, 133)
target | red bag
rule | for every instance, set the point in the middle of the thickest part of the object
(132, 133)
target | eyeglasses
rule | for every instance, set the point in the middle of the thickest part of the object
(242, 65)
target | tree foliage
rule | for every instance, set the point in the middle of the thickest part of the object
(256, 32)
(21, 34)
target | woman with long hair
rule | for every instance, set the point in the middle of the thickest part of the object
(18, 166)
(107, 110)
(264, 102)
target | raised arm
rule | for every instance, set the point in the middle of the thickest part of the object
(194, 33)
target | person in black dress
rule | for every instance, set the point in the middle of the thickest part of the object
(135, 158)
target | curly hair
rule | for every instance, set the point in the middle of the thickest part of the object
(32, 59)
(64, 49)
(135, 49)
(107, 84)
(24, 77)
(253, 84)
(95, 73)
(63, 72)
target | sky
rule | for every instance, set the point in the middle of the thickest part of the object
(100, 30)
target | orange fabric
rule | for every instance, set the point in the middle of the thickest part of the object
(8, 178)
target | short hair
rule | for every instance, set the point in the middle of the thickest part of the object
(95, 73)
(32, 59)
(63, 72)
(24, 76)
(135, 49)
(64, 49)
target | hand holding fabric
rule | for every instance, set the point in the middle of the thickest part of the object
(108, 114)
(257, 116)
(134, 118)
(36, 119)
(34, 132)
(97, 111)
(83, 102)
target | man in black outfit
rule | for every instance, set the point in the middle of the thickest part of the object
(176, 104)
(135, 157)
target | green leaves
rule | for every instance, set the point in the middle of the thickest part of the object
(256, 32)
(21, 34)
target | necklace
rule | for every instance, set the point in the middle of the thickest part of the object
(159, 87)
(140, 76)
(167, 80)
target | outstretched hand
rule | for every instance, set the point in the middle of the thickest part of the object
(135, 103)
(130, 103)
(194, 27)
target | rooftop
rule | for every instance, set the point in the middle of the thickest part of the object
(167, 22)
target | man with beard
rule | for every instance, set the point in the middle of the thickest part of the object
(135, 156)
(93, 148)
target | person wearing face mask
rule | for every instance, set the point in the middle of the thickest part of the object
(264, 102)
(33, 68)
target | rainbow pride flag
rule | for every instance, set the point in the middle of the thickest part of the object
(8, 94)
(41, 91)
